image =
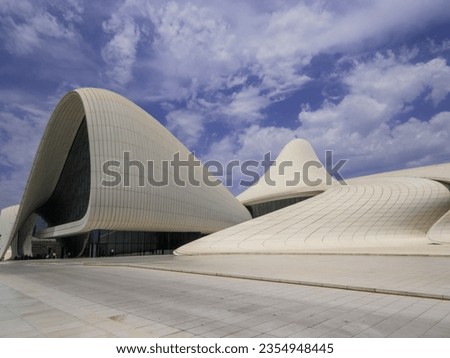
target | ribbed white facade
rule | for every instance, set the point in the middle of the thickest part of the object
(93, 127)
(7, 219)
(394, 210)
(116, 125)
(388, 212)
(296, 172)
(440, 232)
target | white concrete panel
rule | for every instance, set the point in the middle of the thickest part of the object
(379, 212)
(296, 172)
(440, 232)
(116, 125)
(7, 218)
(438, 172)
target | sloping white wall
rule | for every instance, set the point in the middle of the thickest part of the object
(116, 125)
(374, 212)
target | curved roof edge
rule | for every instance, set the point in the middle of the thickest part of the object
(391, 212)
(115, 125)
(296, 172)
(45, 173)
(437, 172)
(440, 231)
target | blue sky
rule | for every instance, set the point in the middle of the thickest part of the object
(369, 80)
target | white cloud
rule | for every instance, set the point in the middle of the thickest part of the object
(13, 185)
(192, 48)
(229, 61)
(257, 140)
(186, 125)
(23, 38)
(23, 116)
(419, 142)
(72, 10)
(28, 26)
(15, 7)
(251, 144)
(361, 127)
(378, 90)
(201, 49)
(412, 143)
(246, 105)
(239, 58)
(19, 135)
(397, 83)
(443, 46)
(355, 113)
(120, 52)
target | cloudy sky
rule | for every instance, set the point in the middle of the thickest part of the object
(367, 79)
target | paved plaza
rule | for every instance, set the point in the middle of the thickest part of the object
(227, 296)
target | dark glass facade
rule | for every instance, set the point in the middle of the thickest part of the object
(69, 202)
(269, 206)
(70, 199)
(134, 242)
(106, 243)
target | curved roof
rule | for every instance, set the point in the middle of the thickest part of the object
(296, 172)
(438, 172)
(440, 232)
(383, 212)
(116, 125)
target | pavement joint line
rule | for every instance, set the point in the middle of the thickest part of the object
(285, 281)
(321, 253)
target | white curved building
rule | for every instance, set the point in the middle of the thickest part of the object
(437, 172)
(105, 164)
(7, 218)
(108, 177)
(396, 211)
(296, 174)
(440, 231)
(389, 212)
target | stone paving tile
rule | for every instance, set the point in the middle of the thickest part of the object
(59, 300)
(370, 332)
(73, 331)
(180, 334)
(413, 328)
(415, 273)
(166, 331)
(187, 325)
(93, 333)
(334, 324)
(224, 331)
(56, 326)
(6, 315)
(336, 333)
(347, 330)
(245, 333)
(264, 335)
(32, 333)
(270, 325)
(15, 326)
(309, 333)
(389, 325)
(440, 330)
(206, 327)
(287, 330)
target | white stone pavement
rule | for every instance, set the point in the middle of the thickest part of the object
(133, 297)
